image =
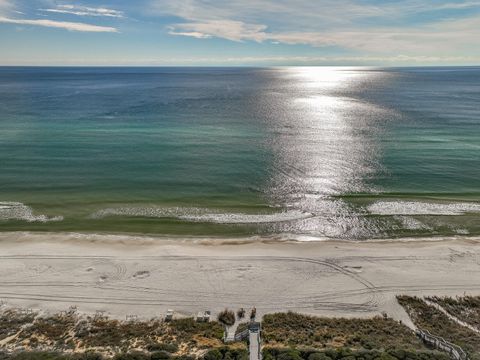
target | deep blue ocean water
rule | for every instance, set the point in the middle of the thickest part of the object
(300, 152)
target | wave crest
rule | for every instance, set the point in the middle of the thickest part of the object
(422, 208)
(20, 211)
(202, 215)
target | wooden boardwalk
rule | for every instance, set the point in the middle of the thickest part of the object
(255, 352)
(254, 339)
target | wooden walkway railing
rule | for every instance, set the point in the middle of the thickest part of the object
(455, 351)
(242, 335)
(252, 333)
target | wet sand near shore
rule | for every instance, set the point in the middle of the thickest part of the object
(125, 275)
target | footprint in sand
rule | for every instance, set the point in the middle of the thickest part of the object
(141, 274)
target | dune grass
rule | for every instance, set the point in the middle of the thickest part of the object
(292, 329)
(437, 323)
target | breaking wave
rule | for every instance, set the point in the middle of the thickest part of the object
(421, 208)
(19, 211)
(202, 215)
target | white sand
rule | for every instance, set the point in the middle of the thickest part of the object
(144, 276)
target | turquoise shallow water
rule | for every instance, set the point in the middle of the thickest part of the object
(343, 153)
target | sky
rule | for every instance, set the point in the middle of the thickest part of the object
(240, 32)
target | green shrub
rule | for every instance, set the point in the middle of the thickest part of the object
(226, 317)
(348, 354)
(89, 355)
(319, 356)
(185, 329)
(290, 354)
(183, 357)
(134, 355)
(171, 348)
(160, 355)
(466, 308)
(11, 321)
(293, 330)
(34, 355)
(214, 354)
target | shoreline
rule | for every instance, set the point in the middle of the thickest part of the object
(50, 272)
(137, 239)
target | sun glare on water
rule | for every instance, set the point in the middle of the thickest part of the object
(325, 145)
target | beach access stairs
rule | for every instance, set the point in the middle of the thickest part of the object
(254, 341)
(230, 335)
(253, 334)
(455, 351)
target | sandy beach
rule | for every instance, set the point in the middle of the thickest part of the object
(124, 275)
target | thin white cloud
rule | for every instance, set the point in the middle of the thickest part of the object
(284, 13)
(85, 11)
(346, 24)
(227, 29)
(288, 11)
(424, 6)
(194, 34)
(442, 37)
(72, 26)
(439, 38)
(349, 24)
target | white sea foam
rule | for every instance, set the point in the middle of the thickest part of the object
(202, 215)
(233, 218)
(411, 223)
(422, 208)
(19, 211)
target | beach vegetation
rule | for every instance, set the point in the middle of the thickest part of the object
(134, 355)
(253, 313)
(168, 347)
(53, 330)
(186, 330)
(343, 353)
(226, 353)
(160, 355)
(213, 354)
(465, 308)
(292, 330)
(288, 336)
(226, 317)
(184, 357)
(34, 355)
(88, 355)
(11, 321)
(104, 332)
(68, 332)
(241, 313)
(429, 318)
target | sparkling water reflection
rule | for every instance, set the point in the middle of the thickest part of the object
(325, 144)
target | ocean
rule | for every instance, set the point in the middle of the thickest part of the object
(305, 153)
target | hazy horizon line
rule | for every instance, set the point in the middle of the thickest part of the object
(232, 66)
